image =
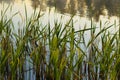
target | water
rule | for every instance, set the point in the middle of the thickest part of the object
(84, 10)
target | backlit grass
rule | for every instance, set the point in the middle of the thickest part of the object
(57, 53)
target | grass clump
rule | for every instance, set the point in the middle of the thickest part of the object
(57, 53)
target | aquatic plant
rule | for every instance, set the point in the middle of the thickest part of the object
(43, 52)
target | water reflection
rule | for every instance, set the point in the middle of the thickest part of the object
(89, 8)
(6, 1)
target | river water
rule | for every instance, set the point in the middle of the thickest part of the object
(105, 10)
(84, 10)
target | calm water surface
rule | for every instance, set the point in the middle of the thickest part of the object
(105, 10)
(89, 8)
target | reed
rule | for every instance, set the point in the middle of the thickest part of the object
(57, 53)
